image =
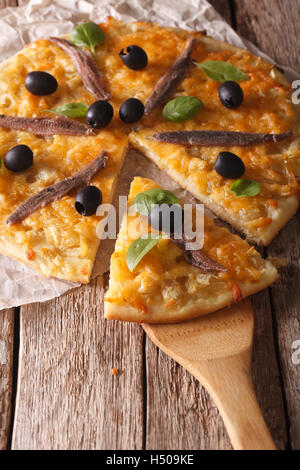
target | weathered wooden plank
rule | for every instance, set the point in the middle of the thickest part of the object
(67, 397)
(265, 371)
(273, 26)
(222, 7)
(180, 414)
(286, 308)
(6, 368)
(8, 3)
(176, 401)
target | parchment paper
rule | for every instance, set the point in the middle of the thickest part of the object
(41, 18)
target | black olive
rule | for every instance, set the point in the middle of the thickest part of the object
(231, 94)
(229, 165)
(166, 218)
(40, 83)
(88, 200)
(99, 114)
(135, 59)
(131, 110)
(18, 158)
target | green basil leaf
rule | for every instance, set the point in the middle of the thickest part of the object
(182, 108)
(71, 110)
(245, 188)
(143, 202)
(222, 71)
(140, 248)
(87, 35)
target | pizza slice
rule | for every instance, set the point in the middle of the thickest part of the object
(258, 216)
(164, 287)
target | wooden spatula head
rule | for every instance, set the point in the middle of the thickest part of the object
(224, 333)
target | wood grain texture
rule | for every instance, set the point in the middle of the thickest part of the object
(6, 368)
(265, 370)
(180, 413)
(273, 26)
(67, 396)
(216, 349)
(8, 3)
(286, 311)
(176, 400)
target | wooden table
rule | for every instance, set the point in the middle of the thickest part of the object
(56, 386)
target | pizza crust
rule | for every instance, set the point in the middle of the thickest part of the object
(158, 314)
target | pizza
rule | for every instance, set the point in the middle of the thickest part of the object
(164, 287)
(57, 240)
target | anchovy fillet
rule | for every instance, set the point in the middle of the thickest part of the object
(197, 258)
(171, 79)
(58, 190)
(45, 125)
(219, 138)
(85, 66)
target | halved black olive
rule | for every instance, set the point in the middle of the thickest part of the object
(88, 200)
(134, 58)
(18, 158)
(229, 165)
(40, 83)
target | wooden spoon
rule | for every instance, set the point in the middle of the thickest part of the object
(217, 350)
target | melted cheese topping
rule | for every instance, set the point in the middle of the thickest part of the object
(164, 274)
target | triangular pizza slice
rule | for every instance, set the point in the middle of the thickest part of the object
(164, 287)
(259, 216)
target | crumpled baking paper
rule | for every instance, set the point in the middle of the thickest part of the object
(41, 18)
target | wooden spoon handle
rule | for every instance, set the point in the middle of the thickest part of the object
(228, 380)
